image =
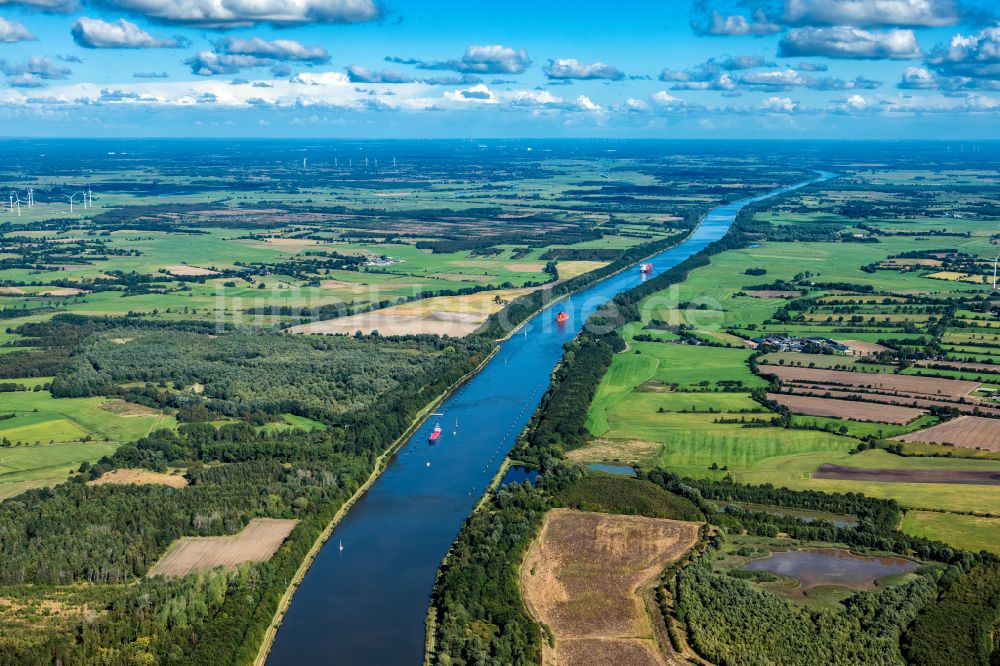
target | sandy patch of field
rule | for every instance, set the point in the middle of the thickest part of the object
(11, 291)
(927, 386)
(962, 476)
(584, 575)
(186, 271)
(256, 543)
(847, 409)
(525, 267)
(570, 269)
(630, 451)
(774, 293)
(862, 348)
(65, 291)
(952, 276)
(120, 341)
(455, 324)
(440, 315)
(139, 477)
(122, 408)
(965, 431)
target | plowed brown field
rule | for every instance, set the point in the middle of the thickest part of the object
(846, 409)
(926, 386)
(965, 431)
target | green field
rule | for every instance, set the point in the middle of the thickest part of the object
(41, 418)
(24, 467)
(969, 532)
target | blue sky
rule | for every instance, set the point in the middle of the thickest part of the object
(403, 68)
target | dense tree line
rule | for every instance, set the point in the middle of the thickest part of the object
(961, 627)
(732, 622)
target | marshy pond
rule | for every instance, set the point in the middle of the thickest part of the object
(814, 567)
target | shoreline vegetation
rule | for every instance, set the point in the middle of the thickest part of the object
(381, 464)
(948, 601)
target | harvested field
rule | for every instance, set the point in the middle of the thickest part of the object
(189, 270)
(256, 543)
(883, 399)
(926, 386)
(139, 477)
(969, 432)
(962, 476)
(774, 293)
(958, 365)
(441, 315)
(861, 348)
(11, 291)
(846, 409)
(583, 577)
(65, 291)
(122, 408)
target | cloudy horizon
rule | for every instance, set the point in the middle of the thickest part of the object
(712, 68)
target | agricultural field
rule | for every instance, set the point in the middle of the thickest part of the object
(965, 431)
(586, 578)
(257, 542)
(293, 246)
(844, 316)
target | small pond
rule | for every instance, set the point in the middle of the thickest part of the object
(518, 474)
(831, 566)
(625, 470)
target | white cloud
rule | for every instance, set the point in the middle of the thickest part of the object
(845, 42)
(61, 6)
(33, 72)
(634, 105)
(571, 68)
(97, 34)
(230, 13)
(918, 78)
(477, 94)
(279, 49)
(478, 59)
(361, 75)
(977, 55)
(872, 13)
(781, 104)
(12, 31)
(326, 79)
(737, 25)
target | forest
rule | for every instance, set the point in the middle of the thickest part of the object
(367, 391)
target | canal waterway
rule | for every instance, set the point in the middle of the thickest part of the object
(366, 602)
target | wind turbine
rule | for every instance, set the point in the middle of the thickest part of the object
(17, 200)
(31, 198)
(90, 196)
(71, 197)
(995, 261)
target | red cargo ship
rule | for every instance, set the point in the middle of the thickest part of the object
(562, 318)
(436, 433)
(645, 268)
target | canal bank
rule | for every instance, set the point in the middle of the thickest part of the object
(367, 603)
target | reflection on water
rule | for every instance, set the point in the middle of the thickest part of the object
(518, 474)
(831, 566)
